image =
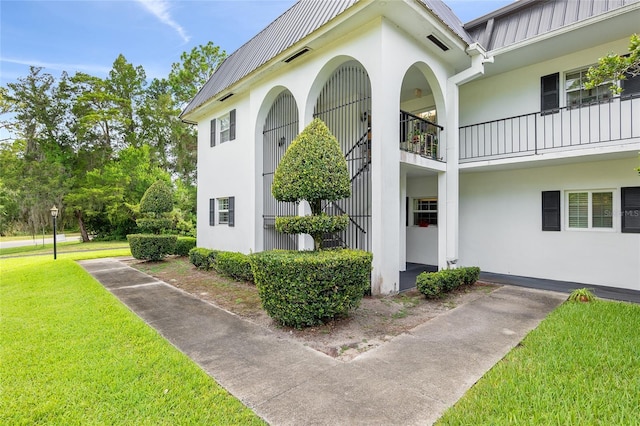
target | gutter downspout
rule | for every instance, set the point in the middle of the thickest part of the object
(478, 59)
(448, 182)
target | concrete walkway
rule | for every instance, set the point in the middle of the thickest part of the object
(410, 380)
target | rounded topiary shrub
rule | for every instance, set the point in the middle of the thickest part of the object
(158, 198)
(313, 169)
(183, 245)
(300, 289)
(151, 247)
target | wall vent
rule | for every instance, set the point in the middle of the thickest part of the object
(297, 54)
(225, 97)
(437, 42)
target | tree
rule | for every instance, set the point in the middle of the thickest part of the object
(97, 143)
(105, 200)
(616, 67)
(313, 169)
(35, 162)
(193, 71)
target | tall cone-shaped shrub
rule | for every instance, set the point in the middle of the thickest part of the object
(156, 202)
(313, 169)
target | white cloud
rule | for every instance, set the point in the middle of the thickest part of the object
(160, 9)
(98, 69)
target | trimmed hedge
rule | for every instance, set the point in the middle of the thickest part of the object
(184, 245)
(151, 247)
(234, 265)
(300, 289)
(202, 258)
(435, 284)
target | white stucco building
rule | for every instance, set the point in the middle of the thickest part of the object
(471, 144)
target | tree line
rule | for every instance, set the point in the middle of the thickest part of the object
(93, 145)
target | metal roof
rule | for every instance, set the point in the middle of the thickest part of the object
(521, 20)
(299, 21)
(450, 19)
(525, 19)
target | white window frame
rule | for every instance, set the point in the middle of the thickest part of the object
(590, 228)
(414, 210)
(604, 96)
(224, 131)
(222, 206)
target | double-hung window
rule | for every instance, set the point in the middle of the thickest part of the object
(590, 209)
(223, 129)
(223, 210)
(425, 211)
(578, 95)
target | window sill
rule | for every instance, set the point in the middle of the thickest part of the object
(596, 230)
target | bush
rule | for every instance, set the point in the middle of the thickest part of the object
(234, 265)
(184, 245)
(301, 289)
(470, 275)
(151, 225)
(313, 169)
(202, 258)
(430, 285)
(320, 224)
(158, 198)
(151, 247)
(435, 284)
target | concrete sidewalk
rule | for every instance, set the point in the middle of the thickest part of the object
(410, 380)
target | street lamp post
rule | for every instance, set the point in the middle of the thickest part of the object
(54, 215)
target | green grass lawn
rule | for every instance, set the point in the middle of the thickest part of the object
(581, 366)
(64, 247)
(71, 353)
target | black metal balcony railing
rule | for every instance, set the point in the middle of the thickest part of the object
(420, 136)
(618, 119)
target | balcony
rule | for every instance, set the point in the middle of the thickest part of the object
(616, 121)
(420, 136)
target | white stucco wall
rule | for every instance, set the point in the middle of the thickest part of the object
(517, 92)
(422, 243)
(500, 225)
(227, 170)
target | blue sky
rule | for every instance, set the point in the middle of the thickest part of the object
(88, 35)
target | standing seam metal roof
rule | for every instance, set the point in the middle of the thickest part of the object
(511, 24)
(530, 18)
(300, 20)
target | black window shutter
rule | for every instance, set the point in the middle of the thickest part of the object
(212, 211)
(213, 132)
(551, 210)
(630, 85)
(631, 209)
(232, 124)
(550, 92)
(232, 205)
(406, 217)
